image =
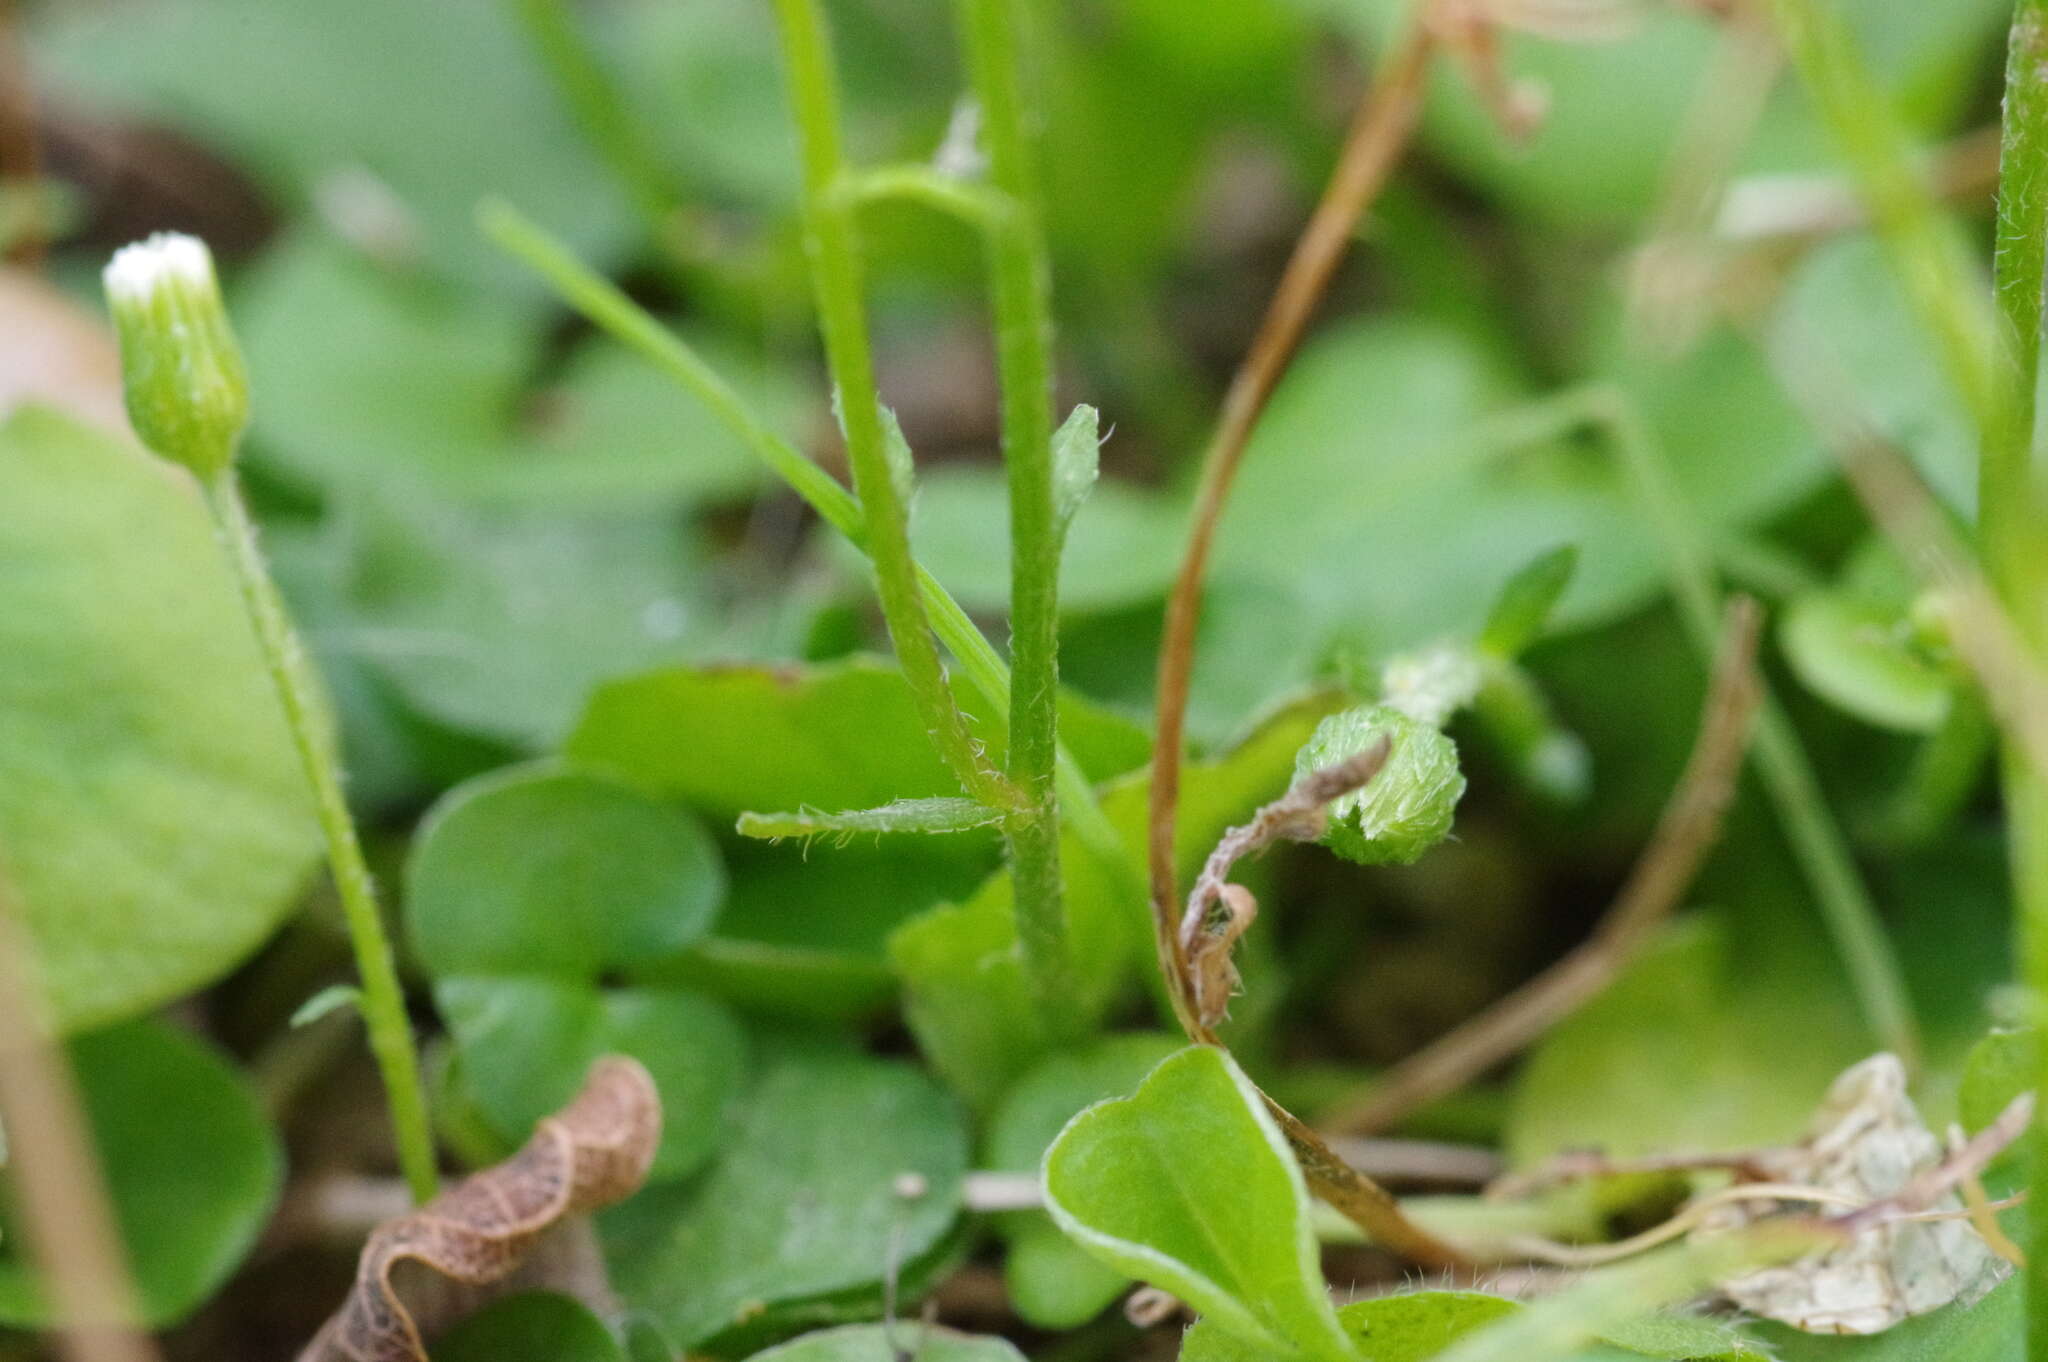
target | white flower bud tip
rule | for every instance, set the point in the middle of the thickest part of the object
(138, 271)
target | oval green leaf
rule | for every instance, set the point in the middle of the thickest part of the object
(192, 1165)
(154, 818)
(1188, 1184)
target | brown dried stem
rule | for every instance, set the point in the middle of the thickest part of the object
(1374, 142)
(1686, 831)
(66, 1216)
(592, 1153)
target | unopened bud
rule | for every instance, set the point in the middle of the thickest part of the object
(181, 371)
(1403, 811)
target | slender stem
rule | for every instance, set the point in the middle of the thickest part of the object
(59, 1189)
(1378, 132)
(1817, 841)
(383, 1002)
(593, 101)
(1946, 770)
(604, 306)
(2007, 498)
(1020, 292)
(1928, 254)
(831, 242)
(976, 205)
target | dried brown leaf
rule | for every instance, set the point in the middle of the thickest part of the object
(594, 1152)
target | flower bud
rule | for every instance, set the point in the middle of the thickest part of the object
(1403, 811)
(181, 371)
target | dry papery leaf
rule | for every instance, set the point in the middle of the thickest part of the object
(1866, 1144)
(522, 1213)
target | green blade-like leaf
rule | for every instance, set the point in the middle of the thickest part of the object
(901, 815)
(1525, 603)
(1189, 1185)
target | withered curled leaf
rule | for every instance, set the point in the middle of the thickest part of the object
(592, 1153)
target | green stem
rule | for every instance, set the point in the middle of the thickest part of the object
(1817, 842)
(1929, 255)
(1947, 769)
(1020, 290)
(383, 1002)
(605, 307)
(832, 245)
(2008, 494)
(593, 101)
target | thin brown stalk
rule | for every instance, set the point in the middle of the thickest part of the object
(1687, 830)
(66, 1216)
(1377, 135)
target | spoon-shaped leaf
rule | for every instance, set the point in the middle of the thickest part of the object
(1188, 1184)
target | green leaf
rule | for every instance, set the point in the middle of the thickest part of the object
(1121, 546)
(844, 735)
(2000, 1067)
(193, 1167)
(1992, 1330)
(1405, 1328)
(1188, 1184)
(1076, 460)
(1408, 807)
(1416, 1326)
(154, 817)
(1053, 1283)
(898, 815)
(966, 996)
(501, 622)
(1666, 1057)
(1524, 604)
(880, 1343)
(442, 104)
(407, 384)
(802, 1203)
(333, 998)
(1858, 655)
(542, 1325)
(540, 899)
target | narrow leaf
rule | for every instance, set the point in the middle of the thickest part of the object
(901, 815)
(333, 998)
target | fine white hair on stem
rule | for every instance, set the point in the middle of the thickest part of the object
(137, 271)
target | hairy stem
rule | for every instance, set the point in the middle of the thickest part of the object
(604, 306)
(1020, 291)
(383, 1002)
(2008, 493)
(831, 242)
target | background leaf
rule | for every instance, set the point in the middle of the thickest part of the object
(154, 818)
(192, 1165)
(540, 900)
